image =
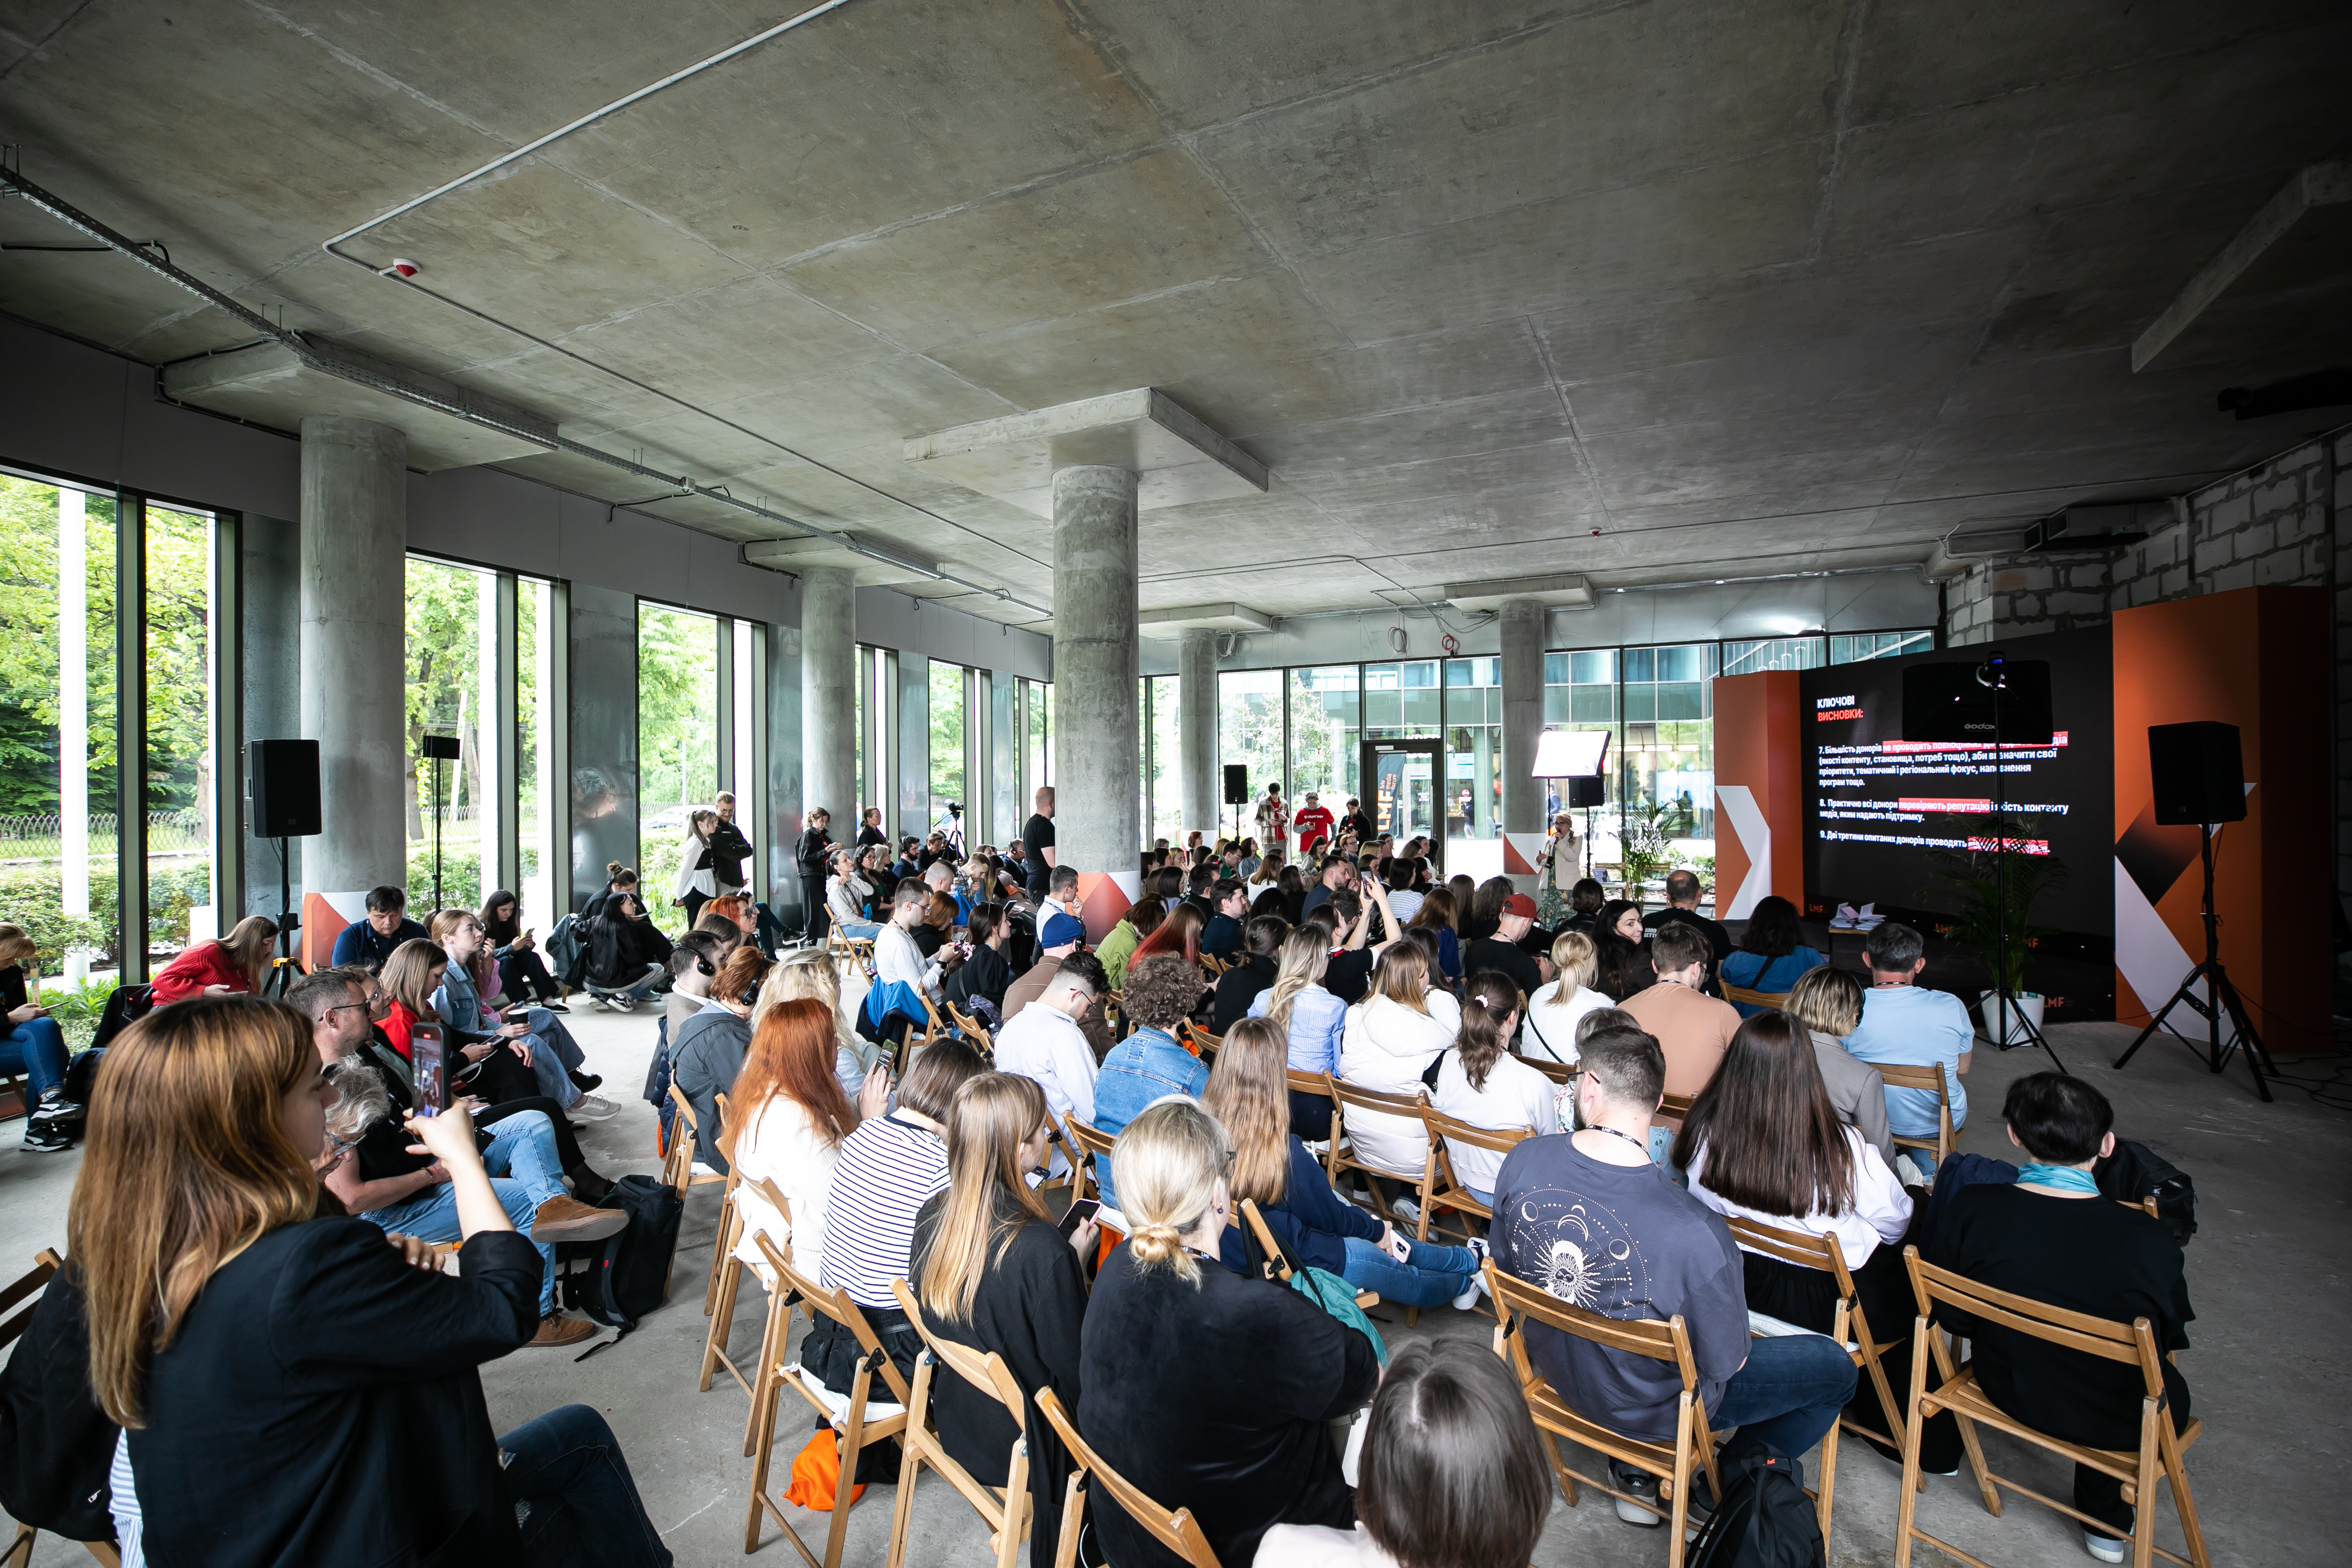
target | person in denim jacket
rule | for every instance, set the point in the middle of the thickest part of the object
(1149, 1063)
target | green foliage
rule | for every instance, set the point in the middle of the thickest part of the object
(28, 645)
(32, 897)
(461, 875)
(947, 726)
(1991, 881)
(1645, 847)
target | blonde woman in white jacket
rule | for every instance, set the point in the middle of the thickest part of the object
(1391, 1037)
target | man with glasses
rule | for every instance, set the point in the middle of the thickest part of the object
(1046, 1042)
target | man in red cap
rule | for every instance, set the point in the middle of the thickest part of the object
(1501, 952)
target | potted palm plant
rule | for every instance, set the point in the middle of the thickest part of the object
(1644, 849)
(1998, 888)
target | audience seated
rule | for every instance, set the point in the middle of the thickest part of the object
(1515, 916)
(726, 931)
(790, 1117)
(1252, 974)
(33, 1045)
(1906, 1025)
(522, 972)
(1404, 901)
(1310, 1021)
(1149, 1063)
(1178, 935)
(1061, 895)
(618, 880)
(1763, 1143)
(1772, 952)
(1048, 1045)
(1587, 1217)
(538, 1040)
(811, 974)
(1683, 891)
(847, 898)
(1584, 901)
(985, 974)
(1200, 882)
(993, 1272)
(235, 1342)
(1555, 1007)
(1828, 1003)
(1693, 1028)
(1251, 1447)
(1438, 916)
(886, 1171)
(2051, 1237)
(1141, 919)
(707, 1054)
(237, 964)
(1229, 906)
(897, 961)
(1452, 1472)
(1622, 954)
(1337, 871)
(368, 943)
(1347, 922)
(1059, 938)
(1250, 1098)
(627, 955)
(693, 965)
(1480, 1083)
(1391, 1039)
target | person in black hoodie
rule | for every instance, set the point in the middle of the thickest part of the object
(812, 857)
(1239, 986)
(995, 1273)
(985, 971)
(337, 1373)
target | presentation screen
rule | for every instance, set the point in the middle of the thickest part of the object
(1876, 804)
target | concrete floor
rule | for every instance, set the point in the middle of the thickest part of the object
(2265, 1274)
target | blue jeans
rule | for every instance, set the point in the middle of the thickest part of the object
(35, 1047)
(1432, 1276)
(862, 930)
(552, 1050)
(582, 1509)
(524, 1172)
(1789, 1394)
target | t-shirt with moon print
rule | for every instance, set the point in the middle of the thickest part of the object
(1623, 1241)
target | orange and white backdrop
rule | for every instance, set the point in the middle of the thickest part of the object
(1759, 807)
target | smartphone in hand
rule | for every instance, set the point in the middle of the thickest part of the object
(1083, 1210)
(427, 1057)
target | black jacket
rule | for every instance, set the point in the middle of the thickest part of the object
(813, 850)
(728, 849)
(1238, 987)
(319, 1404)
(705, 1060)
(56, 1443)
(985, 974)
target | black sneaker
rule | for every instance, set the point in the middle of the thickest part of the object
(1643, 1485)
(55, 1107)
(40, 1138)
(554, 1007)
(588, 1080)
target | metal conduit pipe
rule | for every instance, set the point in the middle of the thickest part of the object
(328, 364)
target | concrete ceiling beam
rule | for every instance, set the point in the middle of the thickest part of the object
(1177, 458)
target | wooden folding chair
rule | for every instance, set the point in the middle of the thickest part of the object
(1446, 1190)
(45, 1264)
(1930, 1079)
(1278, 1260)
(2160, 1452)
(859, 1419)
(1005, 1510)
(677, 1168)
(1176, 1530)
(1197, 1040)
(975, 1033)
(1089, 1146)
(1562, 1073)
(780, 1315)
(1741, 997)
(728, 1220)
(1517, 1304)
(1348, 1097)
(1318, 1085)
(1851, 1328)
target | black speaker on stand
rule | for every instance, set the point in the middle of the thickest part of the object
(282, 787)
(439, 748)
(2197, 778)
(1586, 791)
(1237, 795)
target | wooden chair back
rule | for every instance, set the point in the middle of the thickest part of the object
(1197, 1040)
(1518, 1304)
(974, 1031)
(1447, 1190)
(1928, 1079)
(728, 1273)
(2159, 1456)
(1273, 1253)
(724, 1239)
(1558, 1072)
(1176, 1530)
(1005, 1511)
(1741, 997)
(1090, 1145)
(678, 1170)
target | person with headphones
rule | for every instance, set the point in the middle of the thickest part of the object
(693, 965)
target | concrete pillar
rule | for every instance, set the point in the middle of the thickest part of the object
(1097, 782)
(354, 652)
(829, 697)
(1196, 716)
(1523, 712)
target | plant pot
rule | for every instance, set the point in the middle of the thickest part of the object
(2023, 1008)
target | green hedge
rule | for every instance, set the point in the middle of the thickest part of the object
(33, 896)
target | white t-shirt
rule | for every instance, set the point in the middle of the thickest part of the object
(1320, 1546)
(1550, 1030)
(780, 1143)
(1881, 1212)
(1387, 1046)
(1515, 1097)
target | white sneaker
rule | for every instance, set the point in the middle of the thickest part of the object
(593, 1107)
(1640, 1484)
(2105, 1549)
(1405, 1209)
(1469, 1298)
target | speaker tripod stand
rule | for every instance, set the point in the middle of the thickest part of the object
(2218, 994)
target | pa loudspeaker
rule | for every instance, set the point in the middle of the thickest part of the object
(283, 781)
(2195, 773)
(1236, 785)
(1586, 792)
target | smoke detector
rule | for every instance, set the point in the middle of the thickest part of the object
(401, 268)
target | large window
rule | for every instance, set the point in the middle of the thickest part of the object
(1326, 731)
(1249, 729)
(1773, 653)
(182, 622)
(677, 742)
(1037, 747)
(950, 723)
(447, 608)
(1473, 745)
(1854, 647)
(1669, 745)
(1162, 775)
(539, 703)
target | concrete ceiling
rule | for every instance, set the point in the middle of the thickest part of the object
(1636, 291)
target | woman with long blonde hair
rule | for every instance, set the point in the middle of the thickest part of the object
(1250, 1446)
(227, 1319)
(236, 964)
(1248, 1095)
(995, 1273)
(1310, 1021)
(811, 974)
(1560, 1003)
(1391, 1037)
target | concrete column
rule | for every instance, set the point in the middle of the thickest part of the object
(1196, 716)
(829, 696)
(354, 653)
(1096, 773)
(1523, 712)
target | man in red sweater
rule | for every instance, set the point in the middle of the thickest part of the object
(1314, 823)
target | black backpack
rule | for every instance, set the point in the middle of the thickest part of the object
(2135, 1173)
(628, 1275)
(1764, 1520)
(125, 1005)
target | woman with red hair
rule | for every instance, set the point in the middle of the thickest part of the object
(1179, 936)
(790, 1118)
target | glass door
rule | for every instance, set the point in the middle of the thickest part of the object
(1401, 781)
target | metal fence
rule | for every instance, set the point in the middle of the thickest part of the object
(36, 835)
